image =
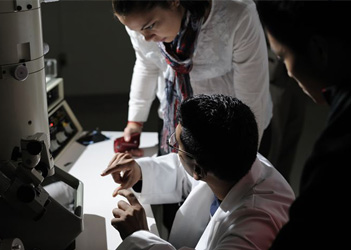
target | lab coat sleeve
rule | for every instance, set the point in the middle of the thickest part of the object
(144, 79)
(144, 240)
(141, 240)
(250, 63)
(164, 180)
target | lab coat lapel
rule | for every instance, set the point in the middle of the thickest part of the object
(192, 217)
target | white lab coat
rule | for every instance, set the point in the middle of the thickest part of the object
(249, 217)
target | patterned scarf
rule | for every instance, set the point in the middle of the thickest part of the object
(178, 55)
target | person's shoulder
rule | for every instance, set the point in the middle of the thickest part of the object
(233, 9)
(267, 170)
(240, 2)
(237, 6)
(263, 160)
(272, 176)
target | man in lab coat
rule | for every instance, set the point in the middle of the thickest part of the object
(234, 198)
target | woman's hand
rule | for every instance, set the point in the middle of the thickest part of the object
(124, 170)
(132, 128)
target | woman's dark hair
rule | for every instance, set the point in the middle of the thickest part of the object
(125, 7)
(293, 23)
(221, 133)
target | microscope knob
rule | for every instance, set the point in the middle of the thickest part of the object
(21, 72)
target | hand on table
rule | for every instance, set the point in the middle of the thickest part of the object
(124, 170)
(129, 218)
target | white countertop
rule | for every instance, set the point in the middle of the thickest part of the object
(98, 202)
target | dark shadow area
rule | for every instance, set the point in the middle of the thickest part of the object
(107, 112)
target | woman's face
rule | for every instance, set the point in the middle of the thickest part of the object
(158, 24)
(302, 68)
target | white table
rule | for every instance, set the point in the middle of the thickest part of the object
(98, 202)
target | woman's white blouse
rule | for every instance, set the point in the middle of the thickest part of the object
(230, 58)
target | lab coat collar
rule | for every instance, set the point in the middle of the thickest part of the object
(241, 189)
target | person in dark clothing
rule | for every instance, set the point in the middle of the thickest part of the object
(313, 41)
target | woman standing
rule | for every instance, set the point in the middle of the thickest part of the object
(194, 47)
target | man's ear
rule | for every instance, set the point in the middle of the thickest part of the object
(199, 173)
(319, 51)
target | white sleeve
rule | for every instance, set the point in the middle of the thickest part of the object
(144, 80)
(250, 63)
(164, 180)
(142, 240)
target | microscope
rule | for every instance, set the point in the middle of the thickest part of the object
(29, 217)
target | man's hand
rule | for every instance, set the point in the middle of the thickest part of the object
(124, 170)
(129, 218)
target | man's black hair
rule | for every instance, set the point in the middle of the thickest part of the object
(221, 133)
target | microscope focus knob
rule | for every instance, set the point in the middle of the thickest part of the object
(21, 72)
